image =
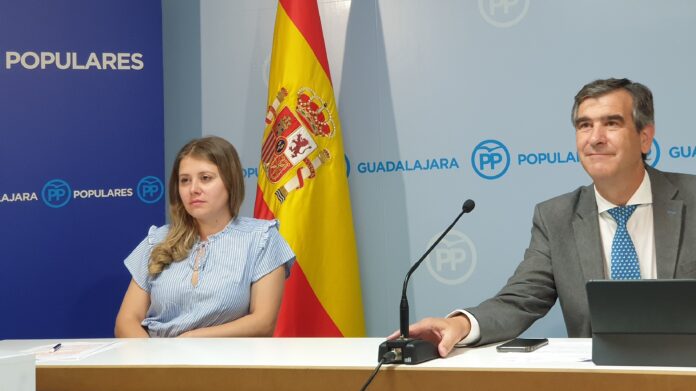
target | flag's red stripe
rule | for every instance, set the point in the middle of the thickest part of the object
(305, 15)
(261, 210)
(301, 313)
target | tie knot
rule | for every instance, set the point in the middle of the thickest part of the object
(621, 214)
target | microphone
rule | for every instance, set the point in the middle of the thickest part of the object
(409, 350)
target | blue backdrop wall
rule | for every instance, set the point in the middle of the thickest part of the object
(415, 81)
(446, 100)
(81, 159)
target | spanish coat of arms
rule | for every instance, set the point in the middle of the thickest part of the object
(296, 140)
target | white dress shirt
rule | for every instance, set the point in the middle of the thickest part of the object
(639, 226)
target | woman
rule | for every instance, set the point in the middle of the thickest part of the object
(210, 273)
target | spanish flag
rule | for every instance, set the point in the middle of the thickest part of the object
(303, 182)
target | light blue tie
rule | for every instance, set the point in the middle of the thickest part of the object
(624, 260)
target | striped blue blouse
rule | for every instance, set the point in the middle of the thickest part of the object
(230, 261)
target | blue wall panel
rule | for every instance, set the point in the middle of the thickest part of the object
(81, 159)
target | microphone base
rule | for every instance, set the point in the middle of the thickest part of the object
(409, 351)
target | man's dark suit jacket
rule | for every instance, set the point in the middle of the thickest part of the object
(565, 252)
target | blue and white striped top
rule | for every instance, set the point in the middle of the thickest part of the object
(230, 261)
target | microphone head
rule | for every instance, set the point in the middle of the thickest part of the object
(468, 206)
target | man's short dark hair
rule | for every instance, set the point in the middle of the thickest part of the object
(643, 110)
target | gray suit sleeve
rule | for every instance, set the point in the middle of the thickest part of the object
(528, 295)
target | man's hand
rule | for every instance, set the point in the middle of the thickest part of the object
(442, 332)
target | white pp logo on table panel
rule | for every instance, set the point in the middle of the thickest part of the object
(454, 260)
(503, 13)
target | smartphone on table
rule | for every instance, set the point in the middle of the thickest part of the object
(522, 345)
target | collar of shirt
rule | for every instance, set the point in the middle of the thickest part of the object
(643, 195)
(215, 236)
(639, 226)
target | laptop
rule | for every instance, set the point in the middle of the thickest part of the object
(643, 322)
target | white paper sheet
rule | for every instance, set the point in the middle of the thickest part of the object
(69, 351)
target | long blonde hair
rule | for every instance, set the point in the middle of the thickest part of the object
(183, 230)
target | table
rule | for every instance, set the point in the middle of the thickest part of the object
(334, 364)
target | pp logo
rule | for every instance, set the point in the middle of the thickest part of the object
(490, 159)
(150, 189)
(56, 193)
(503, 13)
(654, 154)
(454, 260)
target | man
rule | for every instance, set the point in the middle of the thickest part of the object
(632, 222)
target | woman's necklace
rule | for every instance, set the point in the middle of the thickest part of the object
(197, 263)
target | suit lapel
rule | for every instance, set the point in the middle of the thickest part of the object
(667, 223)
(587, 238)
